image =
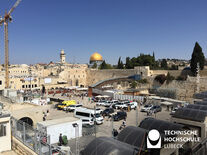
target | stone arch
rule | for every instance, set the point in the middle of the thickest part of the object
(27, 120)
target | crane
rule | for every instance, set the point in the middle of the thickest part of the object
(5, 20)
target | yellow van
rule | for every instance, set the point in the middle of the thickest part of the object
(66, 103)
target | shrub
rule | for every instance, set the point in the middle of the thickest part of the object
(143, 81)
(65, 140)
(169, 78)
(181, 78)
(160, 78)
(133, 84)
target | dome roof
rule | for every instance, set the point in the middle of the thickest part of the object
(96, 57)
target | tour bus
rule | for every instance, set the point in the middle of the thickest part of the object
(84, 113)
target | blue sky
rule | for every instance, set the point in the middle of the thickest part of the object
(41, 28)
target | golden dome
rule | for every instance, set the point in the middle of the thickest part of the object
(96, 57)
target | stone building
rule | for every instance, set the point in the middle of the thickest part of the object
(5, 131)
(62, 57)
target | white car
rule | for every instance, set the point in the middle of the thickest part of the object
(121, 105)
(101, 103)
(87, 121)
(133, 105)
(146, 108)
(99, 110)
(108, 104)
(85, 114)
(173, 111)
(73, 107)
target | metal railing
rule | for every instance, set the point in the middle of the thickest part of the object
(30, 137)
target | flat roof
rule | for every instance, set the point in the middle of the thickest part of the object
(58, 121)
(4, 114)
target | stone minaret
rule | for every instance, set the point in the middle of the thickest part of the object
(62, 57)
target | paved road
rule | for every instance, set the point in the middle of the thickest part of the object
(104, 129)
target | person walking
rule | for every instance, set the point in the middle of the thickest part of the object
(60, 140)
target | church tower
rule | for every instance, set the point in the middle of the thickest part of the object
(62, 57)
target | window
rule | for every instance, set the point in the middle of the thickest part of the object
(83, 114)
(35, 85)
(2, 129)
(0, 82)
(22, 86)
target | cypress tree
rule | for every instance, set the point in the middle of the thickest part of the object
(197, 57)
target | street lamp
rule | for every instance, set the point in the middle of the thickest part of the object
(76, 126)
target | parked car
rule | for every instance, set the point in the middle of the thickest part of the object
(119, 116)
(56, 105)
(108, 111)
(156, 108)
(146, 108)
(85, 114)
(60, 106)
(173, 111)
(99, 110)
(132, 105)
(121, 105)
(108, 104)
(71, 108)
(101, 103)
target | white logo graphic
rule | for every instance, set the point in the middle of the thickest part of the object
(153, 139)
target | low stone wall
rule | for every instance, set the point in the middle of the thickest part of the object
(20, 148)
(94, 75)
(186, 89)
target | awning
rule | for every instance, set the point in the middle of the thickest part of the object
(166, 103)
(61, 81)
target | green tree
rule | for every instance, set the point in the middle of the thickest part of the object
(164, 64)
(197, 57)
(94, 65)
(103, 65)
(174, 67)
(153, 55)
(120, 64)
(141, 60)
(133, 84)
(128, 64)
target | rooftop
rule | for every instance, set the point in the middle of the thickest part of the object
(58, 121)
(4, 114)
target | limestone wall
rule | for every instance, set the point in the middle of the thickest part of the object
(174, 73)
(186, 89)
(94, 75)
(20, 148)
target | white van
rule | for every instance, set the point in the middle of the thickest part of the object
(84, 113)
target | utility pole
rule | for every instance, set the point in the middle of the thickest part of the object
(76, 126)
(137, 115)
(30, 78)
(198, 78)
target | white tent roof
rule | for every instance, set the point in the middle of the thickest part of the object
(166, 103)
